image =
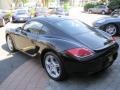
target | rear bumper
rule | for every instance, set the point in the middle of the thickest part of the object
(91, 65)
(20, 19)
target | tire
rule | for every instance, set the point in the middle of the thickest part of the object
(103, 12)
(10, 44)
(112, 29)
(13, 21)
(90, 11)
(52, 64)
(3, 23)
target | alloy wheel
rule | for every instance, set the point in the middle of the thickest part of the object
(111, 29)
(52, 66)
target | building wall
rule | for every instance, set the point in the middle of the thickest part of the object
(5, 4)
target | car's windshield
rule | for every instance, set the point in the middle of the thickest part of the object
(21, 12)
(73, 26)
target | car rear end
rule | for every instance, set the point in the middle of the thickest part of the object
(101, 60)
(41, 12)
(92, 50)
(21, 15)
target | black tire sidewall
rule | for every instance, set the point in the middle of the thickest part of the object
(90, 11)
(12, 43)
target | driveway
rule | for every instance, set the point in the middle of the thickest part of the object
(21, 72)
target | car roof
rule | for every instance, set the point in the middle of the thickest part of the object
(51, 19)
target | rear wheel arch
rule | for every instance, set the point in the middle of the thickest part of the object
(14, 49)
(43, 54)
(46, 51)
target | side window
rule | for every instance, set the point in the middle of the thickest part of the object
(96, 6)
(44, 30)
(102, 6)
(33, 27)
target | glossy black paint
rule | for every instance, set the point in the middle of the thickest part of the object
(47, 37)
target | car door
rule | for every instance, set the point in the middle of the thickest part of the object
(101, 8)
(97, 9)
(26, 38)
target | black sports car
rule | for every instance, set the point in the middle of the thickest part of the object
(65, 45)
(110, 25)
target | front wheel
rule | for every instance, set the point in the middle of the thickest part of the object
(10, 43)
(90, 11)
(103, 12)
(54, 66)
(111, 29)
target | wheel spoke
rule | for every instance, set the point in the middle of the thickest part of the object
(111, 29)
(56, 72)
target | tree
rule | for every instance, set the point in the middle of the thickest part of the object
(114, 4)
(18, 1)
(103, 1)
(24, 1)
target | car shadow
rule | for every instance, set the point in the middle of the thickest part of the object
(10, 62)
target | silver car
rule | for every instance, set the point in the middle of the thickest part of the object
(103, 9)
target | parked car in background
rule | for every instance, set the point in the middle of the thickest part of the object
(58, 11)
(21, 15)
(102, 9)
(116, 12)
(40, 11)
(4, 17)
(110, 25)
(65, 45)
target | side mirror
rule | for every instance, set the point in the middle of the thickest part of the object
(19, 29)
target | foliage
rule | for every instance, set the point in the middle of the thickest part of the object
(103, 1)
(91, 5)
(24, 1)
(66, 6)
(114, 4)
(88, 5)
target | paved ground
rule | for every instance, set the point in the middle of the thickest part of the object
(21, 72)
(9, 62)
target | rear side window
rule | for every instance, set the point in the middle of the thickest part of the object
(33, 27)
(102, 6)
(72, 26)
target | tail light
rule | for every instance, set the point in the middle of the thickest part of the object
(80, 52)
(114, 38)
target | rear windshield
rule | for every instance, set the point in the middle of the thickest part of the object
(73, 26)
(21, 12)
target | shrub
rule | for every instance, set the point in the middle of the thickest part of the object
(114, 4)
(88, 5)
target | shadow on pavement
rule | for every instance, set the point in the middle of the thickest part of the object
(11, 62)
(98, 81)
